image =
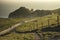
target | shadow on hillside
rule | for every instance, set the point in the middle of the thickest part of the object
(51, 29)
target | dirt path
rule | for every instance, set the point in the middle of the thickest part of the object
(14, 26)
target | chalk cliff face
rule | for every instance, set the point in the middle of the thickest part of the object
(19, 13)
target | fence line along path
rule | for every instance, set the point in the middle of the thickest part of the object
(20, 23)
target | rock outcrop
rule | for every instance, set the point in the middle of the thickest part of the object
(19, 13)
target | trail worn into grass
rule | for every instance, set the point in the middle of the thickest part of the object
(14, 26)
(18, 24)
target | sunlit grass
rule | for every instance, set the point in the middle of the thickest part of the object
(41, 21)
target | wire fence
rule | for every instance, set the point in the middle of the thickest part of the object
(41, 35)
(36, 26)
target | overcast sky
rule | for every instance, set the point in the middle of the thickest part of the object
(7, 6)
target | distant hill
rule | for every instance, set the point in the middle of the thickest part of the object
(24, 12)
(57, 11)
(21, 12)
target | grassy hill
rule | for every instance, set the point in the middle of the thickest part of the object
(41, 22)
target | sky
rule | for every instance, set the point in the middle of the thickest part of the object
(8, 6)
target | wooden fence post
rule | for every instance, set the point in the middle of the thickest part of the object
(42, 24)
(57, 20)
(48, 22)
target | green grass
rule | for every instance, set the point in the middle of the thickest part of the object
(6, 23)
(14, 36)
(41, 21)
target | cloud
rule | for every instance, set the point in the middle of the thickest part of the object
(29, 0)
(8, 6)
